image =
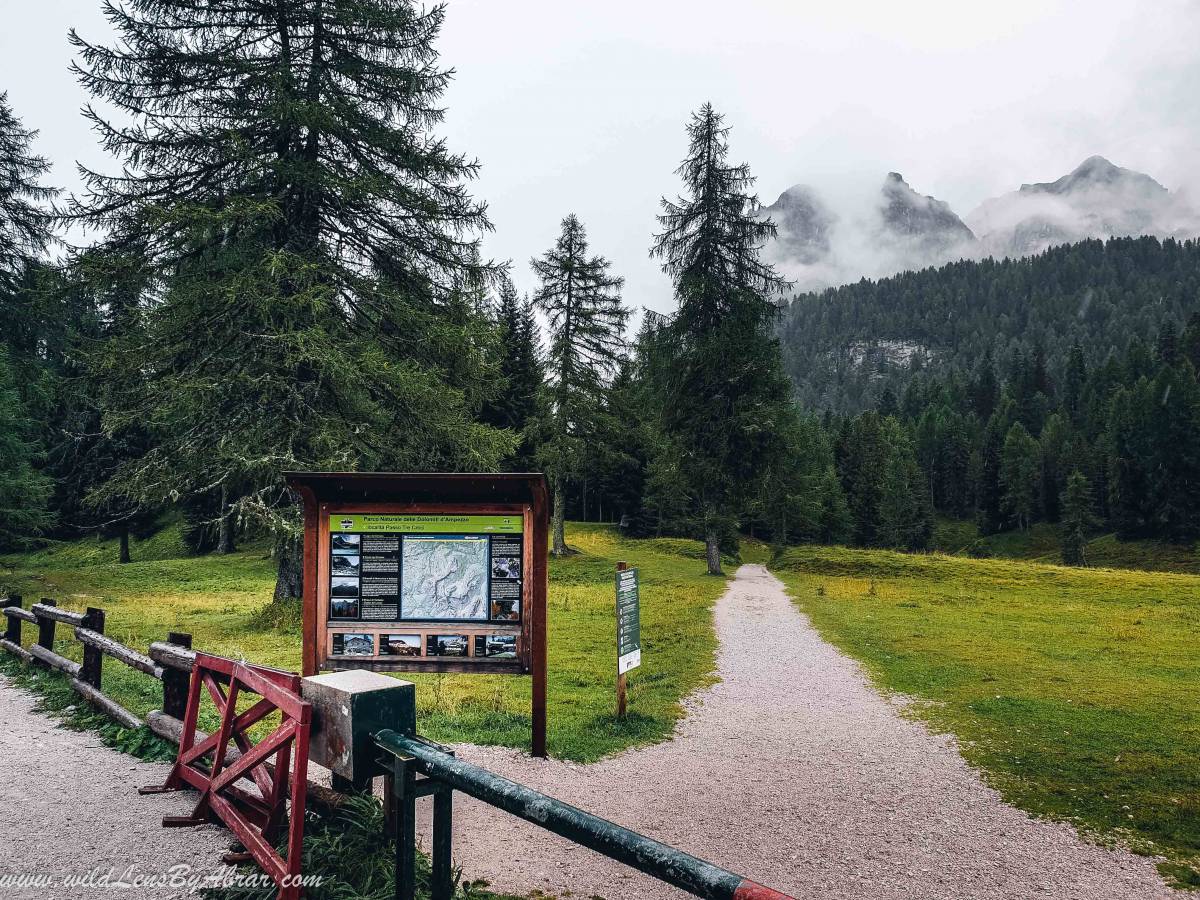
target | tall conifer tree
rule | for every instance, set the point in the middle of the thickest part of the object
(725, 389)
(582, 304)
(516, 406)
(311, 244)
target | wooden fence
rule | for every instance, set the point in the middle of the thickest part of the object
(169, 661)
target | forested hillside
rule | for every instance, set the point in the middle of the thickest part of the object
(845, 347)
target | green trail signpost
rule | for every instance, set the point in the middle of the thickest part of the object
(629, 629)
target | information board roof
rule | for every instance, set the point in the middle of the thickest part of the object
(421, 487)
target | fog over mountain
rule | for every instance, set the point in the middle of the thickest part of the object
(891, 227)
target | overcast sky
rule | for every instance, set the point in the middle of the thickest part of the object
(579, 107)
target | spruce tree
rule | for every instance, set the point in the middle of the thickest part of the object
(582, 304)
(725, 390)
(310, 246)
(1078, 519)
(516, 405)
(24, 491)
(1020, 476)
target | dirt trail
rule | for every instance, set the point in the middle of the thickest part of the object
(793, 771)
(69, 806)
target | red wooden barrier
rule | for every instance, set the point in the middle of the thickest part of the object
(255, 817)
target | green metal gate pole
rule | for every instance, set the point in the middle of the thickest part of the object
(406, 830)
(443, 832)
(664, 862)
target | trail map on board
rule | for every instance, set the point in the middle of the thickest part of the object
(445, 577)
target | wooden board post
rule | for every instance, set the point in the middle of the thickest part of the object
(93, 657)
(175, 682)
(45, 632)
(12, 627)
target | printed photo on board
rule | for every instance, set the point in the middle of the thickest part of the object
(344, 543)
(350, 644)
(346, 565)
(446, 645)
(506, 567)
(343, 608)
(505, 610)
(400, 645)
(496, 646)
(342, 586)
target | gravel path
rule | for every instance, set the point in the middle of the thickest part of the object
(794, 772)
(69, 806)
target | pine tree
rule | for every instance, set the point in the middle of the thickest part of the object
(582, 305)
(1174, 445)
(517, 405)
(724, 386)
(833, 519)
(862, 466)
(24, 228)
(1020, 476)
(1078, 519)
(24, 491)
(310, 246)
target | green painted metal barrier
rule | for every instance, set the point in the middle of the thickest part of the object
(443, 773)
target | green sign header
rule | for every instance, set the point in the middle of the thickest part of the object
(369, 523)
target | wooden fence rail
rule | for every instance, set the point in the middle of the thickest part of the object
(170, 662)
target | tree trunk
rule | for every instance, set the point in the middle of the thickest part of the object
(124, 556)
(289, 582)
(225, 525)
(712, 552)
(559, 517)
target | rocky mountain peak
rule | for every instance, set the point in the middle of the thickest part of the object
(1097, 172)
(909, 214)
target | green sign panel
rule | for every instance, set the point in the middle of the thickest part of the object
(367, 523)
(629, 622)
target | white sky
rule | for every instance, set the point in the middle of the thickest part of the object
(579, 106)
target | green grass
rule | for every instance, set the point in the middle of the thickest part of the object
(223, 603)
(1041, 543)
(1075, 691)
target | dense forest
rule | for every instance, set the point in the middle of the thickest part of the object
(845, 347)
(287, 274)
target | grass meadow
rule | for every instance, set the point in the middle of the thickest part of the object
(1075, 691)
(224, 602)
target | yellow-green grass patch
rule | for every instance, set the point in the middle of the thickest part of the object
(1075, 691)
(221, 601)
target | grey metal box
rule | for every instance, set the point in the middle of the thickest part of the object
(350, 706)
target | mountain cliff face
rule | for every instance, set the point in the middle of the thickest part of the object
(899, 229)
(1097, 199)
(804, 222)
(925, 227)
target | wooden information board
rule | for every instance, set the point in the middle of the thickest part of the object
(426, 573)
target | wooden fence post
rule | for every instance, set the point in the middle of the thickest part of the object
(175, 683)
(93, 657)
(12, 627)
(45, 631)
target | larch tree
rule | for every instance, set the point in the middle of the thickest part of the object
(725, 390)
(24, 236)
(581, 301)
(24, 224)
(307, 240)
